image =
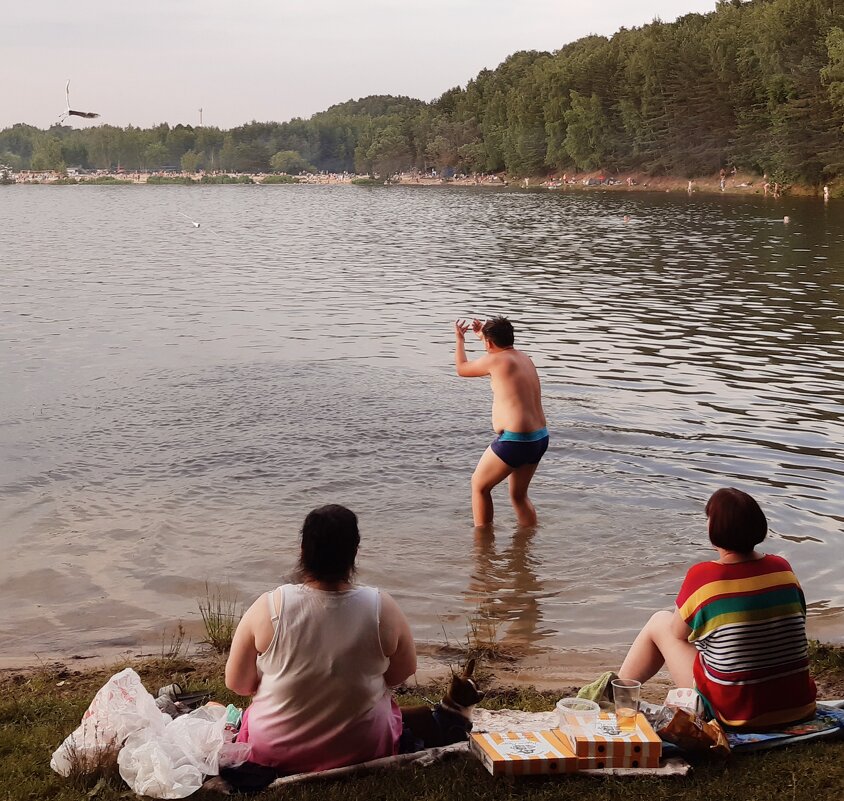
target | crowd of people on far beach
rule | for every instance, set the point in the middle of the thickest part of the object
(319, 655)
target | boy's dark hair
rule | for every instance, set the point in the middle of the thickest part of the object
(736, 522)
(499, 331)
(330, 540)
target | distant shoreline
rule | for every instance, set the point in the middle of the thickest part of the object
(742, 183)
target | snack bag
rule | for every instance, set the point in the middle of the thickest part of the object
(690, 732)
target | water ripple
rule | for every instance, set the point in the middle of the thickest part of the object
(175, 399)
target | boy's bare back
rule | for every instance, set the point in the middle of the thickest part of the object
(516, 394)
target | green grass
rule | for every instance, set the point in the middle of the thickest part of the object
(226, 179)
(826, 658)
(170, 179)
(107, 180)
(175, 644)
(279, 179)
(39, 709)
(220, 616)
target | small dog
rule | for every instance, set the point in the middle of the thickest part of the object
(450, 721)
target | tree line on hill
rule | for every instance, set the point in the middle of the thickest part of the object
(758, 84)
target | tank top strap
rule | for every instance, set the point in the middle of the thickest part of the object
(274, 613)
(375, 596)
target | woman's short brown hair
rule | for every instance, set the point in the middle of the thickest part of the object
(736, 522)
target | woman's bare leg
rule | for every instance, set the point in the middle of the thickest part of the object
(657, 645)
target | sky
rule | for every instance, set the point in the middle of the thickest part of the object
(142, 63)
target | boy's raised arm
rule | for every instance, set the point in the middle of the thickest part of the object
(474, 369)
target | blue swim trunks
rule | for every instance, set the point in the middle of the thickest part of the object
(520, 448)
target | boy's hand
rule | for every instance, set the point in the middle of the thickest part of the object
(460, 328)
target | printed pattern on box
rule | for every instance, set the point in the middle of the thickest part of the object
(523, 753)
(602, 747)
(685, 698)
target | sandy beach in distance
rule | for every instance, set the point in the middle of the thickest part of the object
(742, 183)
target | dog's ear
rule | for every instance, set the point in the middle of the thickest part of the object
(469, 669)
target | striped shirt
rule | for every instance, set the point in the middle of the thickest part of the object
(748, 623)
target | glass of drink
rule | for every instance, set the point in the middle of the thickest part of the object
(625, 693)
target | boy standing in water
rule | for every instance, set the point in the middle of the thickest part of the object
(517, 417)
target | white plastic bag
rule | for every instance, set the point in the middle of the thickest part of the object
(157, 767)
(174, 763)
(161, 757)
(120, 707)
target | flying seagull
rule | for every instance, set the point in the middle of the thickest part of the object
(88, 115)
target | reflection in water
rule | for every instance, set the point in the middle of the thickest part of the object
(504, 590)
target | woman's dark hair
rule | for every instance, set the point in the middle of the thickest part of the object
(330, 542)
(499, 331)
(736, 523)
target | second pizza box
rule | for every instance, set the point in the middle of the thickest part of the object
(603, 745)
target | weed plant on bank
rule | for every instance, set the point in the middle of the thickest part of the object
(38, 709)
(220, 616)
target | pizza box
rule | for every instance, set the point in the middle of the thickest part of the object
(529, 753)
(602, 745)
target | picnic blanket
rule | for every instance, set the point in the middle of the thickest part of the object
(828, 722)
(484, 720)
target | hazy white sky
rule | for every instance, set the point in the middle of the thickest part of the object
(153, 61)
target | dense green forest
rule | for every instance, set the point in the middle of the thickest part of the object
(757, 84)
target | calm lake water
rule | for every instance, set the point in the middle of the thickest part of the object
(175, 399)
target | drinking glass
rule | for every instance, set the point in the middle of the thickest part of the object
(625, 693)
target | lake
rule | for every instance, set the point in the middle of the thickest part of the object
(176, 398)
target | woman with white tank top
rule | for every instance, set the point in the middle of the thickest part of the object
(319, 657)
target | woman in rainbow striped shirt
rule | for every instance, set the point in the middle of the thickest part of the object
(738, 632)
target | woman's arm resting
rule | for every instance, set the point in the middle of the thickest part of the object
(241, 667)
(679, 628)
(397, 642)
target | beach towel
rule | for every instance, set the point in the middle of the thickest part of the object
(827, 722)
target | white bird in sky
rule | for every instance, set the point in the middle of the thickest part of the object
(88, 115)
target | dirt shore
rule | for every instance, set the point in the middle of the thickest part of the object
(562, 672)
(540, 669)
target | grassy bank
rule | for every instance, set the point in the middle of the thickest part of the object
(38, 708)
